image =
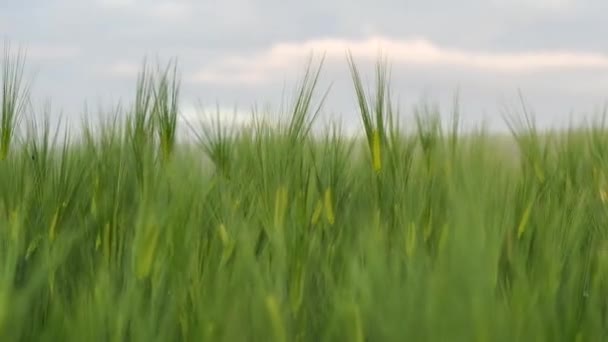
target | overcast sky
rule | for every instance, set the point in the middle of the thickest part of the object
(241, 53)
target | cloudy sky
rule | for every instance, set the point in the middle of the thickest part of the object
(242, 52)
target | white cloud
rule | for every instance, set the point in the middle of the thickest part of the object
(260, 67)
(195, 121)
(116, 4)
(537, 4)
(122, 69)
(165, 10)
(46, 52)
(170, 10)
(236, 117)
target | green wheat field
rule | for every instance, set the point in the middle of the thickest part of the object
(272, 233)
